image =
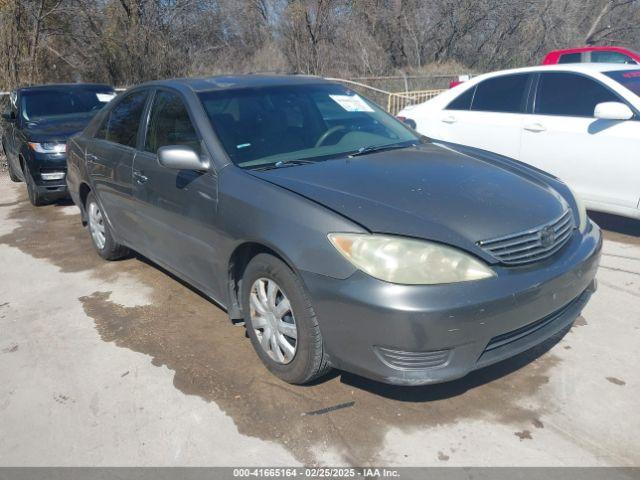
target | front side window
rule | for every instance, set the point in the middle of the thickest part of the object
(41, 104)
(570, 58)
(169, 124)
(570, 95)
(610, 57)
(121, 125)
(629, 79)
(505, 94)
(267, 125)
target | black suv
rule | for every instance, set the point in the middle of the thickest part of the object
(36, 123)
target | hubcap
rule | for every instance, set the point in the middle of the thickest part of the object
(273, 320)
(96, 225)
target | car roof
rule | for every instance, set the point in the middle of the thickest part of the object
(593, 48)
(568, 67)
(58, 86)
(224, 82)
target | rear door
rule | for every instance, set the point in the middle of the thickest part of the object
(109, 160)
(488, 116)
(598, 158)
(177, 208)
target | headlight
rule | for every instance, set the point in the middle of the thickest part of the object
(582, 211)
(407, 261)
(48, 147)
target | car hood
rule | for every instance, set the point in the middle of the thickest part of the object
(429, 192)
(59, 128)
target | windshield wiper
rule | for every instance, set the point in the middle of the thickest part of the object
(379, 148)
(283, 163)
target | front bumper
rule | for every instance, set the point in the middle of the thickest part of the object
(46, 164)
(414, 335)
(51, 189)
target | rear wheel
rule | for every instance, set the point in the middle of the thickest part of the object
(281, 322)
(101, 236)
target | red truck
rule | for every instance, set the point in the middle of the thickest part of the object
(592, 55)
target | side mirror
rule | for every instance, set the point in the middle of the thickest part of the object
(8, 115)
(408, 121)
(612, 111)
(180, 157)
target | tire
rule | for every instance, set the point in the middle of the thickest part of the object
(101, 235)
(35, 197)
(12, 175)
(309, 360)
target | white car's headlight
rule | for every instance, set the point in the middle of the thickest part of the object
(582, 211)
(48, 147)
(407, 261)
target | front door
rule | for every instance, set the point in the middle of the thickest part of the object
(177, 208)
(488, 116)
(597, 158)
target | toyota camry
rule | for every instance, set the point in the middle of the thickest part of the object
(339, 236)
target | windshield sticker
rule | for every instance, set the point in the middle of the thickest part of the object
(351, 103)
(243, 145)
(105, 97)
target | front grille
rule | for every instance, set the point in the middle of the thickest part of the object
(509, 337)
(532, 245)
(412, 360)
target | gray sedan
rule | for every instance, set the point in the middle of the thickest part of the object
(340, 237)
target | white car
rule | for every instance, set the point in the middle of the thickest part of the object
(579, 122)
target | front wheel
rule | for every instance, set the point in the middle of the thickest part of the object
(35, 197)
(101, 236)
(12, 173)
(281, 322)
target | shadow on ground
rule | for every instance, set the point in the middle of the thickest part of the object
(618, 228)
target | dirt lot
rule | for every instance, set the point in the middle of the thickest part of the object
(121, 364)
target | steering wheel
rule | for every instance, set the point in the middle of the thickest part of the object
(328, 133)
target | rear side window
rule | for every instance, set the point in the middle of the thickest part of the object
(462, 101)
(570, 58)
(121, 126)
(570, 95)
(504, 94)
(610, 57)
(169, 124)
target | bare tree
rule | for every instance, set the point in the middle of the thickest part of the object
(123, 42)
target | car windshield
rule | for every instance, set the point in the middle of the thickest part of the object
(629, 79)
(266, 126)
(39, 104)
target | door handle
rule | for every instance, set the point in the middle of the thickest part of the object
(449, 119)
(91, 157)
(535, 127)
(140, 178)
